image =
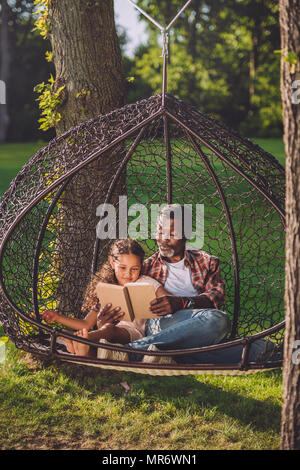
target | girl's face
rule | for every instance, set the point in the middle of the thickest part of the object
(127, 268)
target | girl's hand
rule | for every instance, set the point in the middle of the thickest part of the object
(108, 315)
(49, 316)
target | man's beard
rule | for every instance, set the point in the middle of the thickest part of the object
(166, 252)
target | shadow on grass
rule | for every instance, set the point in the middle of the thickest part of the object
(190, 394)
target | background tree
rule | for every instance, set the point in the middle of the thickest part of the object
(290, 37)
(25, 56)
(22, 52)
(88, 81)
(87, 58)
(221, 58)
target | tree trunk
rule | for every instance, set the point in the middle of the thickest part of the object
(87, 58)
(88, 61)
(4, 69)
(290, 42)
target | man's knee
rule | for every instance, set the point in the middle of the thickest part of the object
(224, 323)
(219, 321)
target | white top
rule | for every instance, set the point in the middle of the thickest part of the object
(179, 281)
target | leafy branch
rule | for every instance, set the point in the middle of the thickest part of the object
(290, 58)
(49, 101)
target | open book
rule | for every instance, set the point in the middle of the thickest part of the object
(133, 298)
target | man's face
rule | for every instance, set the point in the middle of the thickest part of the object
(169, 239)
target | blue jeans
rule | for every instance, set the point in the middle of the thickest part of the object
(183, 329)
(260, 349)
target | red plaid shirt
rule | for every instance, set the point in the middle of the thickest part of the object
(205, 274)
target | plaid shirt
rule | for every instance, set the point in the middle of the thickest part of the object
(205, 274)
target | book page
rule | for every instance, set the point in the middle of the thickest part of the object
(115, 295)
(140, 296)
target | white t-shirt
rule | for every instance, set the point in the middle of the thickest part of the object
(179, 281)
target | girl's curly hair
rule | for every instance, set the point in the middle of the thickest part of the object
(106, 272)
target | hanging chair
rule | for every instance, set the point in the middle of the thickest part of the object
(158, 150)
(155, 153)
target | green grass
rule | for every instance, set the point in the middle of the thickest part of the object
(74, 407)
(12, 158)
(273, 146)
(57, 406)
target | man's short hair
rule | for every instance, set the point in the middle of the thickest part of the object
(181, 214)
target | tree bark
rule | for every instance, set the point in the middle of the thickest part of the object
(87, 59)
(4, 69)
(88, 62)
(290, 42)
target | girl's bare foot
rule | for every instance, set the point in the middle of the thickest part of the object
(80, 348)
(69, 345)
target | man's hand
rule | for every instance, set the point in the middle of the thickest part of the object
(165, 305)
(109, 315)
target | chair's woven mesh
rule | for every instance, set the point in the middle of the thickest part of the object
(48, 214)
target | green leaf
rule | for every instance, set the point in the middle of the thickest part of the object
(291, 58)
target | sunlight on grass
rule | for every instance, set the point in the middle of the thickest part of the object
(74, 407)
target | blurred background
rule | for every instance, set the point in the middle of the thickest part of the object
(224, 59)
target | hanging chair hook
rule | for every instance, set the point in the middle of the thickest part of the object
(164, 31)
(165, 41)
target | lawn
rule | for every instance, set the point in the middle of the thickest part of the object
(59, 406)
(12, 158)
(62, 407)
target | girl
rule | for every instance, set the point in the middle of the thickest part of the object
(124, 265)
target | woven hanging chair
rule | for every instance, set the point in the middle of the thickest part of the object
(158, 150)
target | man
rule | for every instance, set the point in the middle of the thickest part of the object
(192, 276)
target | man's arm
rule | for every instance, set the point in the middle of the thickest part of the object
(215, 284)
(170, 303)
(212, 297)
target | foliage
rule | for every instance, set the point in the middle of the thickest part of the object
(211, 48)
(50, 96)
(27, 68)
(291, 58)
(49, 101)
(221, 59)
(42, 23)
